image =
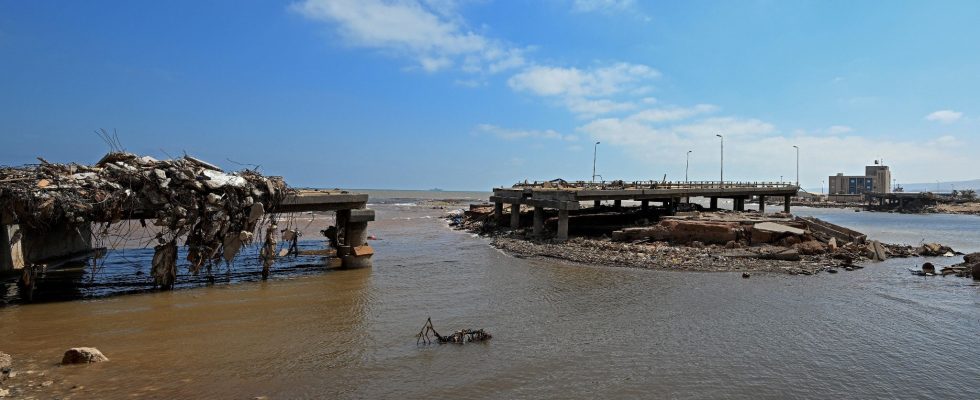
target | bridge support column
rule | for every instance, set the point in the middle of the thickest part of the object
(596, 203)
(498, 212)
(538, 221)
(562, 225)
(617, 203)
(786, 201)
(762, 204)
(645, 205)
(738, 204)
(515, 215)
(714, 203)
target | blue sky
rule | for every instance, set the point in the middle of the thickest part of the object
(475, 94)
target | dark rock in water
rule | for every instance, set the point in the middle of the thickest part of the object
(976, 272)
(972, 258)
(83, 355)
(746, 275)
(832, 271)
(928, 268)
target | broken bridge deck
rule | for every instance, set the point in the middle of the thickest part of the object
(565, 196)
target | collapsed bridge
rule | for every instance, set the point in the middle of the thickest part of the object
(568, 196)
(47, 213)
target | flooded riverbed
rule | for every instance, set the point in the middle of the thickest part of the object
(560, 330)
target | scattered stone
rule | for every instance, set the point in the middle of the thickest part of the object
(47, 383)
(928, 268)
(746, 275)
(4, 392)
(83, 355)
(6, 361)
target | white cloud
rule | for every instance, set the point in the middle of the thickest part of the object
(757, 150)
(516, 134)
(429, 31)
(588, 92)
(945, 116)
(574, 82)
(671, 113)
(839, 130)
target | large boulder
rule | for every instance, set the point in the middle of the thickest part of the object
(5, 361)
(971, 258)
(810, 247)
(83, 355)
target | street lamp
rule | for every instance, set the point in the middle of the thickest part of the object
(797, 165)
(687, 165)
(722, 158)
(595, 151)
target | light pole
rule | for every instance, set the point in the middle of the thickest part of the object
(797, 165)
(687, 165)
(722, 158)
(595, 151)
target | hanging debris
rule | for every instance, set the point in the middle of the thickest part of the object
(459, 337)
(214, 212)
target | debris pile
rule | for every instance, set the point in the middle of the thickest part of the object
(459, 337)
(715, 241)
(214, 212)
(970, 267)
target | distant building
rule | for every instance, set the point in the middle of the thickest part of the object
(876, 179)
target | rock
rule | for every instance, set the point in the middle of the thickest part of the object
(811, 247)
(4, 392)
(976, 271)
(732, 245)
(972, 258)
(832, 245)
(5, 361)
(746, 275)
(47, 383)
(928, 268)
(83, 355)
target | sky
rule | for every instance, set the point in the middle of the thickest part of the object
(474, 94)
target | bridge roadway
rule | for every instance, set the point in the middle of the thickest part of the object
(565, 196)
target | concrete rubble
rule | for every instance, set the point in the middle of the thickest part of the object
(706, 241)
(214, 212)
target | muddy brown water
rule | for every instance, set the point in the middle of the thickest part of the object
(560, 330)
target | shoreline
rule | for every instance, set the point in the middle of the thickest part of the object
(683, 249)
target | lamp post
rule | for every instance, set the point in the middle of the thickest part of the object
(797, 165)
(687, 165)
(595, 151)
(722, 158)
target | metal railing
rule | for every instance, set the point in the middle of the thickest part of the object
(638, 185)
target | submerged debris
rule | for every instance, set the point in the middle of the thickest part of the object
(213, 212)
(459, 337)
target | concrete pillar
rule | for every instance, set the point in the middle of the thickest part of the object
(786, 201)
(645, 205)
(515, 216)
(562, 225)
(498, 212)
(714, 203)
(596, 203)
(738, 204)
(357, 252)
(538, 221)
(762, 204)
(618, 203)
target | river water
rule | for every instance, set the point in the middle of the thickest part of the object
(560, 330)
